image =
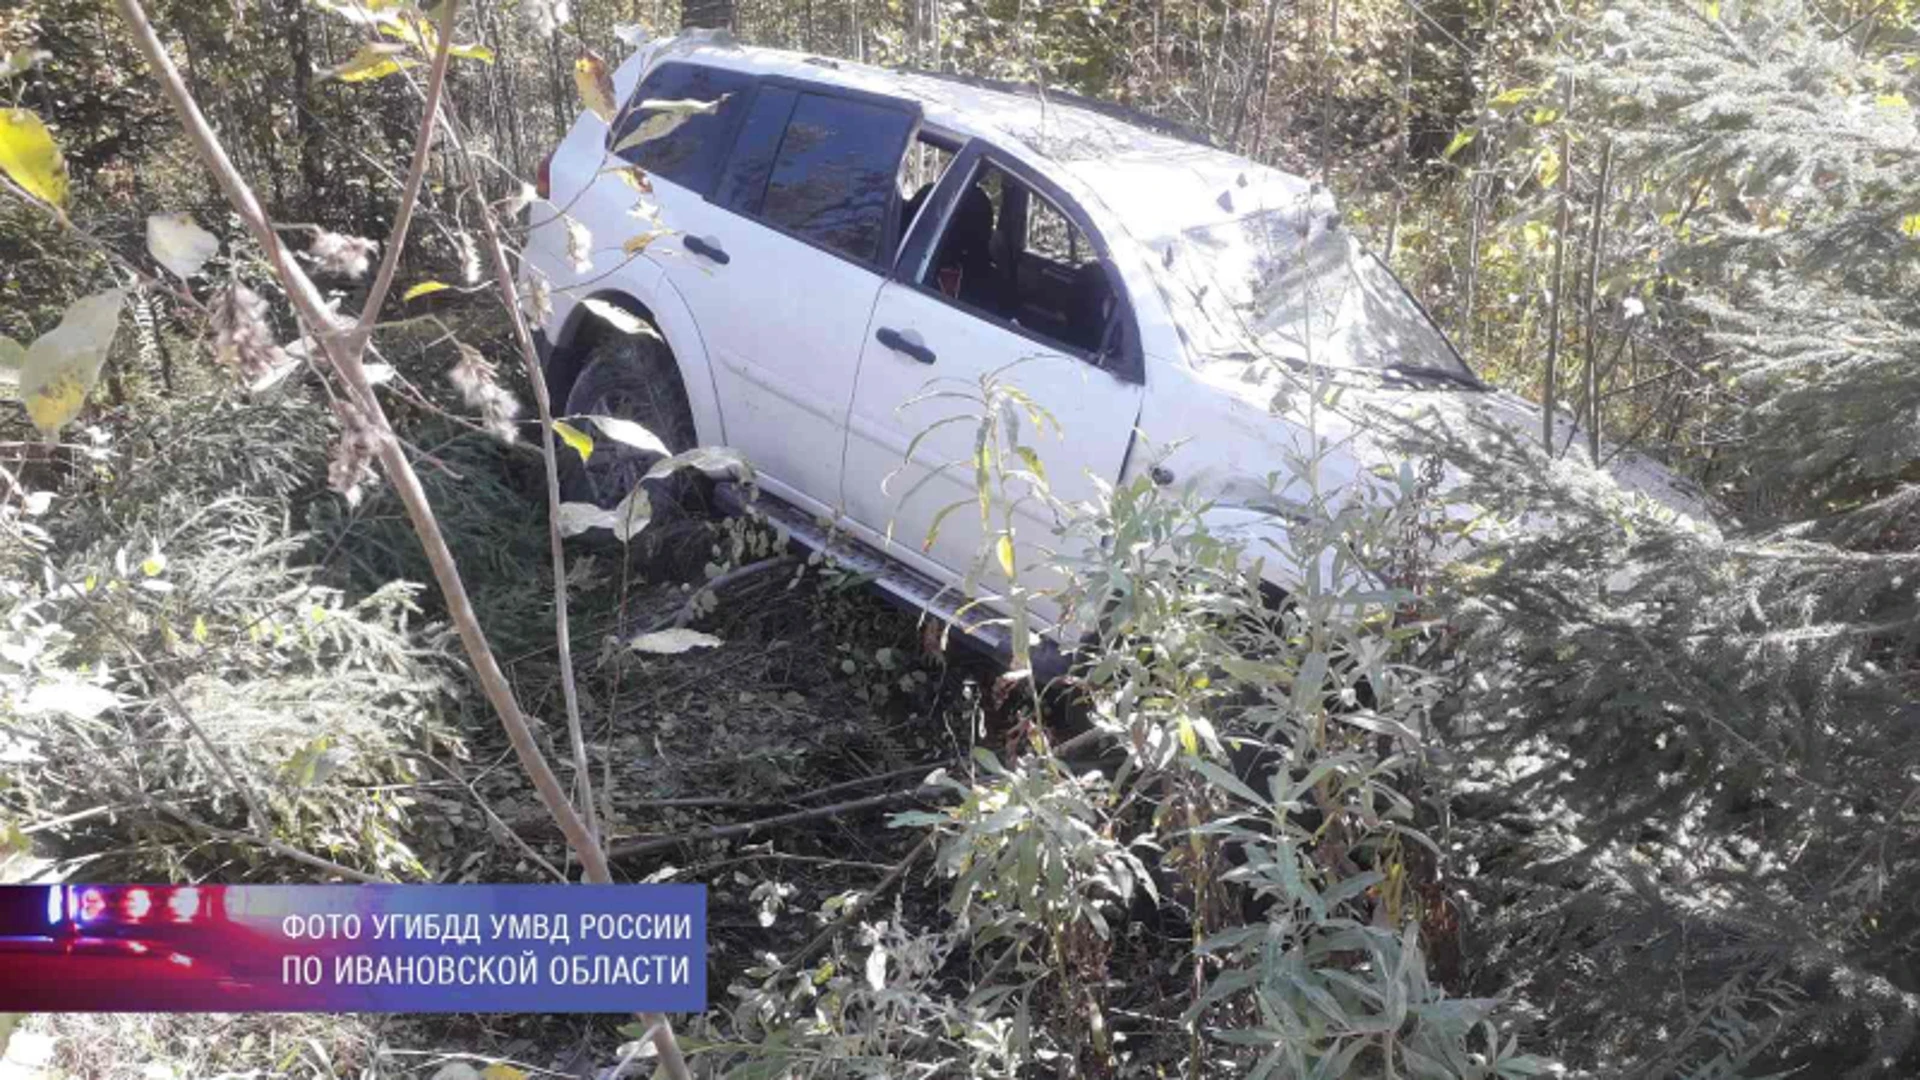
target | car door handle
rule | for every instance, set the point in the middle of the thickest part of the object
(899, 342)
(707, 249)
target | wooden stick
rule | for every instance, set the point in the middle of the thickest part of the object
(325, 328)
(744, 828)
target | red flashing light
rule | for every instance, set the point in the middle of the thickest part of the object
(184, 903)
(137, 903)
(92, 905)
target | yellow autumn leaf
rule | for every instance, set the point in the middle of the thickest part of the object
(500, 1070)
(29, 156)
(471, 52)
(581, 442)
(1004, 549)
(63, 363)
(425, 288)
(1547, 166)
(595, 85)
(638, 244)
(375, 60)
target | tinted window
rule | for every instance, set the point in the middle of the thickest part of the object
(746, 176)
(685, 146)
(833, 178)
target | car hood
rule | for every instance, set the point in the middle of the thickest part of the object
(1244, 441)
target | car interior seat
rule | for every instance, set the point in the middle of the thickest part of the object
(967, 249)
(1092, 307)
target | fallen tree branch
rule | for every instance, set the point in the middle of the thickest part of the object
(732, 577)
(852, 911)
(747, 828)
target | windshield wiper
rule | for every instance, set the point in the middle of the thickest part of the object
(1442, 374)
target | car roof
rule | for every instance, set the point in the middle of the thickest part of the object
(1156, 178)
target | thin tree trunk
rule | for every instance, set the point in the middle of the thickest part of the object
(1595, 238)
(1265, 81)
(557, 86)
(1474, 214)
(1404, 150)
(1549, 392)
(300, 49)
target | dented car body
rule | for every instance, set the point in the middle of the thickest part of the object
(819, 243)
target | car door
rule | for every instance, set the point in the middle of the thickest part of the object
(781, 274)
(953, 314)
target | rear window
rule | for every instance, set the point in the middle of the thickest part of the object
(832, 180)
(678, 122)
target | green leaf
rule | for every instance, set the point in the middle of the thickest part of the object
(628, 433)
(632, 514)
(578, 517)
(1507, 99)
(29, 156)
(62, 365)
(933, 530)
(716, 462)
(178, 243)
(1460, 141)
(19, 62)
(425, 288)
(673, 642)
(620, 318)
(1032, 459)
(471, 52)
(582, 443)
(663, 118)
(13, 357)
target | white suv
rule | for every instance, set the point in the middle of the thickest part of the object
(837, 237)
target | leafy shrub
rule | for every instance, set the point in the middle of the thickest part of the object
(165, 640)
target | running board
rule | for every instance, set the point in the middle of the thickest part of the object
(979, 627)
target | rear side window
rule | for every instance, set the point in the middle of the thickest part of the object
(833, 179)
(676, 126)
(745, 180)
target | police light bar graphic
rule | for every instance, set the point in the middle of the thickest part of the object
(352, 948)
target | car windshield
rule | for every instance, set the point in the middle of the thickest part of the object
(1280, 284)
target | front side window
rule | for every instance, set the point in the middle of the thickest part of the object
(833, 179)
(1008, 253)
(677, 123)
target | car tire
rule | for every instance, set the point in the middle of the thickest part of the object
(630, 377)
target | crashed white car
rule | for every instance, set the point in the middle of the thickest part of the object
(808, 245)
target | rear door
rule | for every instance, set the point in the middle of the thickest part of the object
(782, 269)
(958, 310)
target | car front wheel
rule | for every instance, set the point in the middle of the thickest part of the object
(634, 378)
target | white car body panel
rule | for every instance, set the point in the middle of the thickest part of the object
(778, 352)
